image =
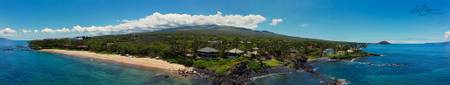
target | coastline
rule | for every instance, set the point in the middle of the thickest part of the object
(150, 63)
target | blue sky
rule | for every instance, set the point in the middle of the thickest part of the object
(343, 20)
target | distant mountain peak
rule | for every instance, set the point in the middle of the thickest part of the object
(216, 30)
(209, 28)
(199, 27)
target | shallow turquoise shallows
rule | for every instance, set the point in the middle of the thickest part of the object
(417, 64)
(28, 67)
(421, 64)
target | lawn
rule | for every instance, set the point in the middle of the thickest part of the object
(272, 63)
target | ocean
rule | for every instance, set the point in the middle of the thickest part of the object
(402, 64)
(21, 66)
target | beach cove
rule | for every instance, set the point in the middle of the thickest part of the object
(42, 68)
(22, 66)
(141, 62)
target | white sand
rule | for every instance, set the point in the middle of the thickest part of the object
(142, 62)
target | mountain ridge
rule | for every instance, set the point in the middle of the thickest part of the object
(226, 30)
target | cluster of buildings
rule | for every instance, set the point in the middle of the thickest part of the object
(331, 51)
(211, 53)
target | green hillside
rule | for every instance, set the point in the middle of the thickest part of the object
(180, 45)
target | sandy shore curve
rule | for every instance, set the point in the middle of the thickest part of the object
(141, 62)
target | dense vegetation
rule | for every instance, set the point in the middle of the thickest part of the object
(174, 44)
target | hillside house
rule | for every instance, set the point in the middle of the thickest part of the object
(208, 52)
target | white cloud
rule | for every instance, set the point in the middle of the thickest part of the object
(63, 30)
(162, 21)
(276, 22)
(447, 35)
(26, 31)
(305, 25)
(7, 32)
(48, 30)
(158, 21)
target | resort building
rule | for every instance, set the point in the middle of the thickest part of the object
(234, 53)
(208, 52)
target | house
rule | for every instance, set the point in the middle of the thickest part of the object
(350, 51)
(329, 51)
(208, 52)
(340, 52)
(234, 53)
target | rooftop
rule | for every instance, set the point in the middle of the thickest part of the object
(208, 50)
(235, 50)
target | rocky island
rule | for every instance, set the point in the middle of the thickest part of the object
(384, 42)
(227, 55)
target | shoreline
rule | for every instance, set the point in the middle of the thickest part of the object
(150, 63)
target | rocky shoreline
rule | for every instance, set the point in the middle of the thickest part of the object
(245, 77)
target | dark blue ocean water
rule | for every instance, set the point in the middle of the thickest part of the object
(413, 64)
(419, 64)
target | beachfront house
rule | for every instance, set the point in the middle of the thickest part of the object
(329, 51)
(233, 53)
(208, 53)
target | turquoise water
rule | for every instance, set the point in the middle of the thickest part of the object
(27, 67)
(414, 65)
(418, 64)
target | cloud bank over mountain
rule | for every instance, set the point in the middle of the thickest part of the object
(158, 21)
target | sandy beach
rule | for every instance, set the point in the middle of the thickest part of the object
(142, 62)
